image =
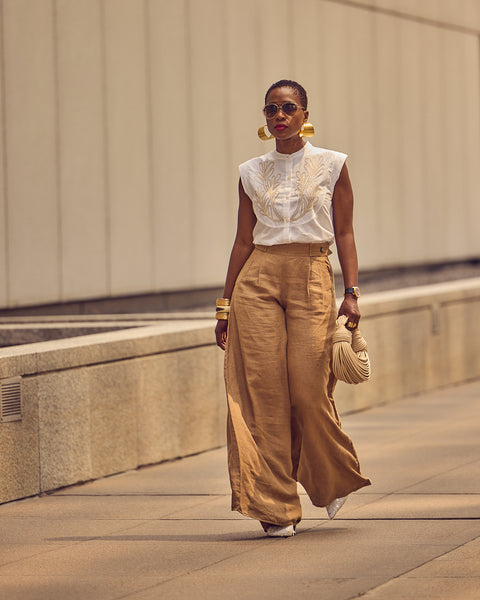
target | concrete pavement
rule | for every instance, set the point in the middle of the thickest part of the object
(166, 531)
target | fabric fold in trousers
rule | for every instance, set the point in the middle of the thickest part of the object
(283, 426)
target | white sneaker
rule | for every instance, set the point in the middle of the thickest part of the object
(279, 531)
(335, 506)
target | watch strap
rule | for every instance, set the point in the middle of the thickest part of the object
(355, 291)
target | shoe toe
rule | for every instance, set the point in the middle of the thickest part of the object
(279, 531)
(335, 506)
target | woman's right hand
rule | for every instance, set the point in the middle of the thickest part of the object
(221, 333)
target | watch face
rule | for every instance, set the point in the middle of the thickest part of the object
(355, 291)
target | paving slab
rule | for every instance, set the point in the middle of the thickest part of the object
(102, 507)
(167, 531)
(173, 477)
(450, 576)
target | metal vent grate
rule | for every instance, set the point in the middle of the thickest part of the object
(11, 399)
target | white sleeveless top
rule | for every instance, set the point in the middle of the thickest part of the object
(292, 194)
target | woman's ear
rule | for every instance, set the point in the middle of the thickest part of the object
(305, 113)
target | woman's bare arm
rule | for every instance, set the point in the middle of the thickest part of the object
(242, 248)
(345, 241)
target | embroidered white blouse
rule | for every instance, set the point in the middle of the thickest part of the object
(292, 194)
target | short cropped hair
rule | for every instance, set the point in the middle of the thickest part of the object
(291, 84)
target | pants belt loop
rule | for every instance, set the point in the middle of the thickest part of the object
(318, 249)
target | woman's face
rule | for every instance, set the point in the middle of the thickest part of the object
(283, 126)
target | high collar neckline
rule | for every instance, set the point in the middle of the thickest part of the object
(293, 155)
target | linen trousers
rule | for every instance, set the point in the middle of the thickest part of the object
(282, 425)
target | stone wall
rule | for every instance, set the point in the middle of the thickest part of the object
(105, 403)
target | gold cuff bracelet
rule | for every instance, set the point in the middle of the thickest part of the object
(223, 309)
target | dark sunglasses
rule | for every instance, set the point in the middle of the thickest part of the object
(288, 108)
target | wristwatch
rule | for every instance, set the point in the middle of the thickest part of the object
(355, 291)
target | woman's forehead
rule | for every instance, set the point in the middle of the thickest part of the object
(284, 94)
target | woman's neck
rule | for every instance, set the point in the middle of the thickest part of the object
(290, 146)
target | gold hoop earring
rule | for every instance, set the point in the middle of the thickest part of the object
(307, 130)
(263, 135)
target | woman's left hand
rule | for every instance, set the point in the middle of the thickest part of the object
(349, 308)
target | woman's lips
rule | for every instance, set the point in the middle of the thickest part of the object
(280, 127)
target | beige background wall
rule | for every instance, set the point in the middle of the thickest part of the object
(122, 123)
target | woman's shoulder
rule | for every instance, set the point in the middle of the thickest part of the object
(253, 163)
(327, 153)
(331, 160)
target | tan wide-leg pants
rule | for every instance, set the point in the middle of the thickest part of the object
(282, 423)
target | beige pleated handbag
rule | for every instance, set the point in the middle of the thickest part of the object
(350, 360)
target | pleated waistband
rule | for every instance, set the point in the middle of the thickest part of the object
(297, 249)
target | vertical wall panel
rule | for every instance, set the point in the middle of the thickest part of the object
(3, 186)
(433, 142)
(390, 186)
(305, 51)
(307, 57)
(333, 64)
(31, 151)
(275, 17)
(211, 238)
(128, 158)
(413, 214)
(470, 94)
(81, 136)
(244, 100)
(455, 123)
(363, 161)
(171, 129)
(246, 85)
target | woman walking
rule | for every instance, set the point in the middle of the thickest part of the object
(276, 323)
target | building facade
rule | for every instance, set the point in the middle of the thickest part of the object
(122, 123)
